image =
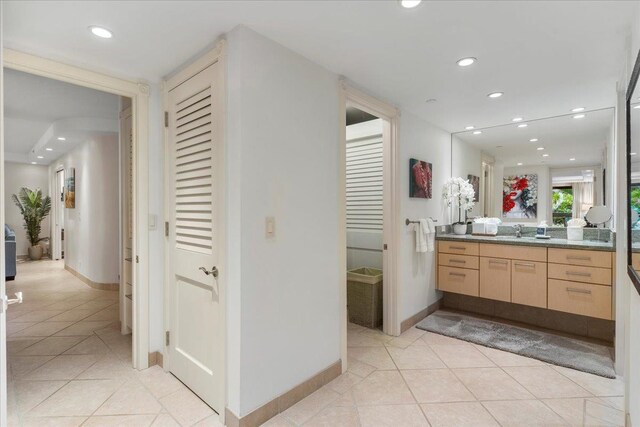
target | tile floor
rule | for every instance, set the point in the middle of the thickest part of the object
(424, 379)
(70, 366)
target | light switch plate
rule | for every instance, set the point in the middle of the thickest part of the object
(270, 227)
(153, 222)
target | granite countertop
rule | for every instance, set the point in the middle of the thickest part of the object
(532, 241)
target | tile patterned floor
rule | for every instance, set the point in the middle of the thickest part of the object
(70, 366)
(424, 379)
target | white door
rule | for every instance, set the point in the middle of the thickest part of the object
(195, 171)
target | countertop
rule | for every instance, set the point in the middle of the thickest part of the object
(594, 245)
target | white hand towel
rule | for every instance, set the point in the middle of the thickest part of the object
(421, 236)
(431, 235)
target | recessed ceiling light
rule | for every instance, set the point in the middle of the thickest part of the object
(633, 154)
(540, 148)
(533, 140)
(545, 155)
(465, 62)
(523, 125)
(495, 94)
(34, 163)
(577, 109)
(516, 119)
(578, 116)
(519, 163)
(62, 138)
(49, 149)
(410, 4)
(636, 106)
(41, 157)
(470, 127)
(572, 159)
(103, 33)
(478, 132)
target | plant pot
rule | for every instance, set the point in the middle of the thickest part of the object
(35, 252)
(460, 229)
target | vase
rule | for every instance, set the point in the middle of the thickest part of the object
(460, 229)
(35, 252)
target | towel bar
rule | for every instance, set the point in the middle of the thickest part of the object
(408, 221)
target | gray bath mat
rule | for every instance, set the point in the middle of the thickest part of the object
(558, 350)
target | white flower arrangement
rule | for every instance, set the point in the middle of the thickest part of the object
(458, 192)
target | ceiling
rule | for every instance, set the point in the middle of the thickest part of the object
(562, 138)
(38, 110)
(546, 56)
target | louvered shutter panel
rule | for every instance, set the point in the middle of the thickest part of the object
(364, 183)
(193, 165)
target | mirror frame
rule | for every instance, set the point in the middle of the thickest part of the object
(633, 275)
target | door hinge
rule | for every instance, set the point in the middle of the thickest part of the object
(166, 119)
(166, 339)
(384, 246)
(166, 228)
(137, 259)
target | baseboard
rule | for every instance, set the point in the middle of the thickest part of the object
(91, 283)
(413, 320)
(156, 358)
(285, 400)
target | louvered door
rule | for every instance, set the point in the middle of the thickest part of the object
(194, 337)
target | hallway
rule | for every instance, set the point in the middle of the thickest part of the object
(70, 366)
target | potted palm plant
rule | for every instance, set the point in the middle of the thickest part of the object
(34, 208)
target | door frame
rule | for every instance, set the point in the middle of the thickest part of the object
(391, 208)
(139, 94)
(56, 239)
(217, 54)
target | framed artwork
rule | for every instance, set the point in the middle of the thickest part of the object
(520, 196)
(475, 183)
(420, 177)
(70, 189)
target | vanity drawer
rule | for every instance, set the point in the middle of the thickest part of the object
(460, 248)
(575, 273)
(495, 279)
(463, 261)
(458, 280)
(580, 298)
(529, 283)
(513, 252)
(579, 257)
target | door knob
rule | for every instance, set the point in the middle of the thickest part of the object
(213, 272)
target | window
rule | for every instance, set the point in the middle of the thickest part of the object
(562, 202)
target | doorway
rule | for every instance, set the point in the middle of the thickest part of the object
(369, 213)
(57, 237)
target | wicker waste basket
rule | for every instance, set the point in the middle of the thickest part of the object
(364, 296)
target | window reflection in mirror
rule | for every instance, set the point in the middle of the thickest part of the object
(552, 169)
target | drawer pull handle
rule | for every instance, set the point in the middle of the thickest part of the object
(578, 257)
(461, 248)
(457, 274)
(459, 261)
(498, 261)
(578, 273)
(579, 291)
(525, 264)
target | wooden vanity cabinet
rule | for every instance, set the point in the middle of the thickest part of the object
(495, 278)
(458, 268)
(529, 283)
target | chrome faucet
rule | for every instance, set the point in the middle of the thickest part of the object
(518, 228)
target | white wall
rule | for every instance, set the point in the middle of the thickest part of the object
(91, 229)
(283, 150)
(544, 193)
(16, 176)
(466, 160)
(417, 273)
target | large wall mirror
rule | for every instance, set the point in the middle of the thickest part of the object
(633, 176)
(552, 169)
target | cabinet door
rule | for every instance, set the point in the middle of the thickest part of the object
(529, 283)
(495, 279)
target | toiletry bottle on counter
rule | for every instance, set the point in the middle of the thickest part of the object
(541, 230)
